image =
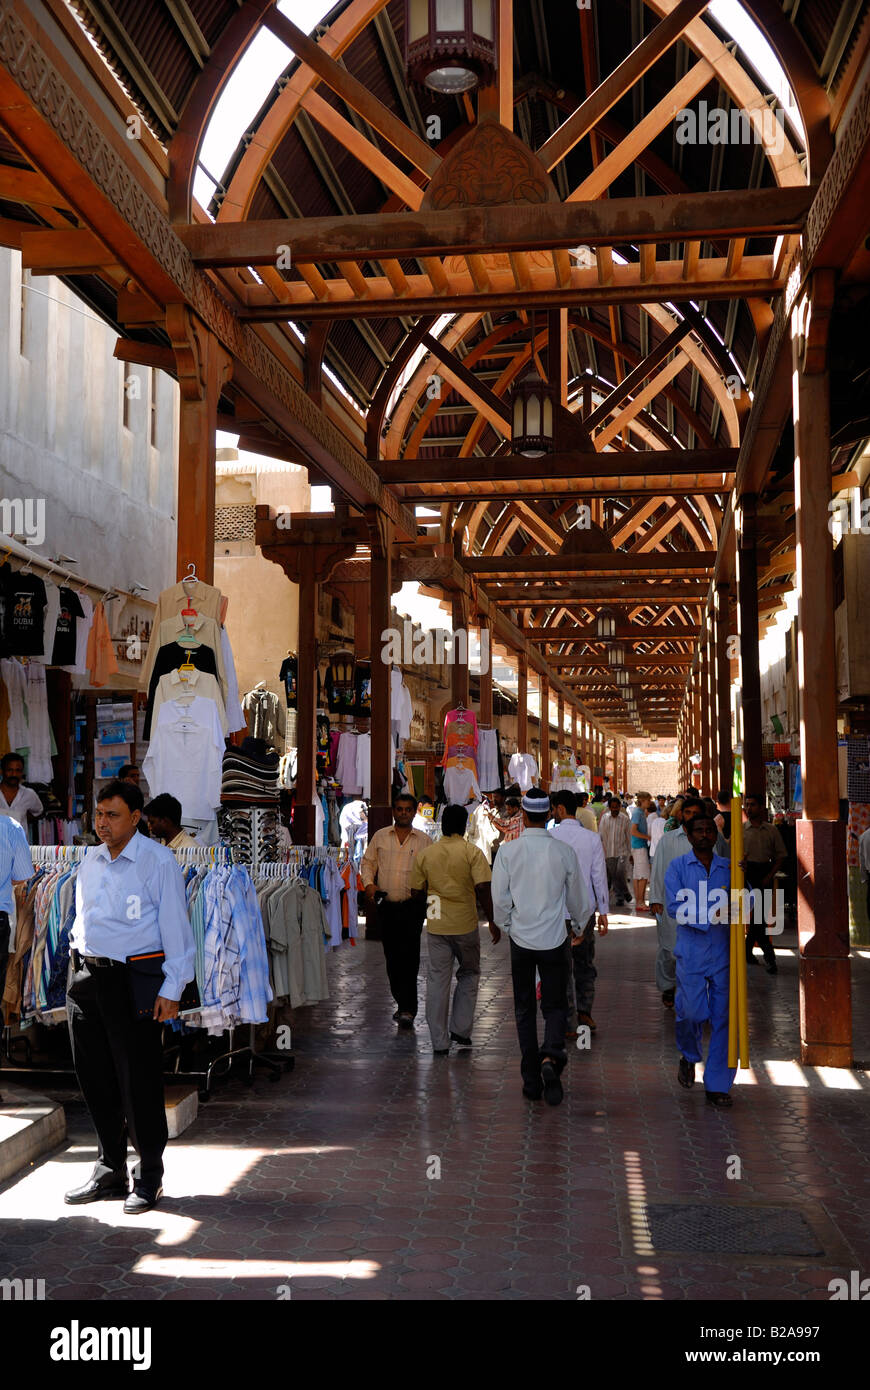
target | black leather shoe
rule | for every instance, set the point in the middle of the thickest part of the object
(686, 1073)
(720, 1099)
(441, 1052)
(463, 1042)
(141, 1199)
(98, 1189)
(668, 998)
(533, 1092)
(406, 1020)
(772, 969)
(552, 1085)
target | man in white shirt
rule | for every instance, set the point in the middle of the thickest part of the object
(655, 824)
(614, 828)
(16, 800)
(589, 850)
(537, 888)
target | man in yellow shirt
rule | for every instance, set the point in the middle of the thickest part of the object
(386, 876)
(585, 813)
(164, 822)
(452, 877)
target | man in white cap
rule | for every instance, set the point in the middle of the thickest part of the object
(537, 890)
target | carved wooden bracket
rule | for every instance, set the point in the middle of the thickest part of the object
(813, 321)
(192, 342)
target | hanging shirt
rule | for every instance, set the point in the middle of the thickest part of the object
(133, 904)
(522, 769)
(176, 684)
(235, 714)
(66, 631)
(203, 598)
(185, 755)
(362, 684)
(15, 680)
(169, 658)
(100, 658)
(79, 664)
(49, 622)
(24, 619)
(205, 630)
(288, 673)
(346, 766)
(401, 705)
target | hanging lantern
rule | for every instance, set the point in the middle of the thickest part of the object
(450, 44)
(622, 678)
(532, 417)
(653, 738)
(605, 624)
(616, 654)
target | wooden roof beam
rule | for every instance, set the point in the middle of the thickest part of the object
(523, 227)
(512, 468)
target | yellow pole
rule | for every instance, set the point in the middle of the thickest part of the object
(738, 1002)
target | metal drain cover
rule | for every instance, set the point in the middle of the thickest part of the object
(730, 1230)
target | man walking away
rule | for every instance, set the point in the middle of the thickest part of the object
(131, 955)
(615, 831)
(386, 876)
(451, 880)
(15, 867)
(764, 854)
(585, 814)
(640, 838)
(703, 953)
(655, 824)
(587, 846)
(536, 889)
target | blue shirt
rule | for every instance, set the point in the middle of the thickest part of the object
(693, 897)
(133, 904)
(638, 818)
(15, 861)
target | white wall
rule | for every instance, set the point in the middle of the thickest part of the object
(109, 495)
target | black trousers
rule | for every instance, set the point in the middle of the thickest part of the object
(756, 934)
(553, 967)
(585, 974)
(119, 1064)
(4, 950)
(401, 926)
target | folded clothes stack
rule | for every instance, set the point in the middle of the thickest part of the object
(250, 771)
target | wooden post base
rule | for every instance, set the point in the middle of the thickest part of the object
(823, 932)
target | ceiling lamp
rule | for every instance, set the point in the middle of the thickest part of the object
(450, 44)
(622, 678)
(605, 624)
(616, 654)
(653, 738)
(532, 417)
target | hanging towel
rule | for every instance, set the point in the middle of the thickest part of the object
(100, 658)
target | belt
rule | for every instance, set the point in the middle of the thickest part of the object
(100, 962)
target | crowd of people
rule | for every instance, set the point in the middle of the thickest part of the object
(561, 863)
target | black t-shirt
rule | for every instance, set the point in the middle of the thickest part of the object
(23, 620)
(64, 652)
(288, 675)
(362, 683)
(169, 657)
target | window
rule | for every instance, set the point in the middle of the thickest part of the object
(22, 317)
(154, 379)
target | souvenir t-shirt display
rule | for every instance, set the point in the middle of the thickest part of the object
(66, 632)
(362, 681)
(26, 602)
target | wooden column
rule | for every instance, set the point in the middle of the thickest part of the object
(304, 819)
(486, 675)
(459, 670)
(723, 687)
(574, 731)
(704, 717)
(545, 731)
(560, 718)
(522, 702)
(823, 904)
(747, 624)
(380, 531)
(202, 368)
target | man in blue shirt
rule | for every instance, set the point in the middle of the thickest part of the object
(698, 896)
(640, 849)
(129, 903)
(15, 867)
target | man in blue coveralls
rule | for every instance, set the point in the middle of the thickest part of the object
(697, 896)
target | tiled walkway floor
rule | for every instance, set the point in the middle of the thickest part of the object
(324, 1185)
